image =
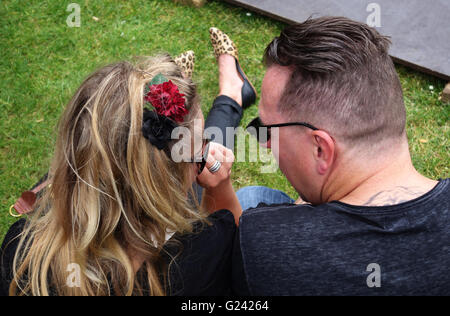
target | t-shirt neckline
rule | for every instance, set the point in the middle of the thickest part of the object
(438, 188)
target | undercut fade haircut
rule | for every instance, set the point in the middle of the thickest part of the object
(343, 80)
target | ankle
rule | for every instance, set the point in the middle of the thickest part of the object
(230, 83)
(233, 94)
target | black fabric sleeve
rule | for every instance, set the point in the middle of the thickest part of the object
(239, 278)
(224, 113)
(7, 252)
(202, 264)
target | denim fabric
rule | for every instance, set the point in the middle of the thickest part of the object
(251, 197)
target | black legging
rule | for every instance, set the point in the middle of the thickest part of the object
(224, 113)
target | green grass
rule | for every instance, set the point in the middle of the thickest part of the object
(43, 61)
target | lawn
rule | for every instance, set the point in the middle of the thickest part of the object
(43, 61)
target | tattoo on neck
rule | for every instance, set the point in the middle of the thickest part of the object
(396, 196)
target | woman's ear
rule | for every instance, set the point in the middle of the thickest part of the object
(324, 150)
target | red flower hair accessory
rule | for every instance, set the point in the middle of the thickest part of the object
(166, 99)
(168, 109)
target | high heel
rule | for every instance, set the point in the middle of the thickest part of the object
(186, 62)
(222, 44)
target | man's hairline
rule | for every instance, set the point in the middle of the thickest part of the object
(283, 92)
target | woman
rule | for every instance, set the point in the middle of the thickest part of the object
(120, 217)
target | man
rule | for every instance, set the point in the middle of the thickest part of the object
(371, 224)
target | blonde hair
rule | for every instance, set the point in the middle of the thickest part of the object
(113, 194)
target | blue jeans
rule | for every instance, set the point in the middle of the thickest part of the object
(250, 197)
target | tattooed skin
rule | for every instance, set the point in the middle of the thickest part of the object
(395, 196)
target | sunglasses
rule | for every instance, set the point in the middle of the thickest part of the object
(257, 129)
(205, 150)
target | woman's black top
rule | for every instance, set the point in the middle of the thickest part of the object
(205, 264)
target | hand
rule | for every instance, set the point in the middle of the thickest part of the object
(217, 152)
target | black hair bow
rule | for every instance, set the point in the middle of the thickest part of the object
(157, 128)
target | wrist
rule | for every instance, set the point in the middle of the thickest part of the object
(220, 188)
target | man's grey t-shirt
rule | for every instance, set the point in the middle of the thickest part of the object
(339, 249)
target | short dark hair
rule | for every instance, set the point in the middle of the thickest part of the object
(343, 79)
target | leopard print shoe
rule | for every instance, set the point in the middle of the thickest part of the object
(222, 44)
(186, 62)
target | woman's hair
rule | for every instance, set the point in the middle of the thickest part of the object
(113, 195)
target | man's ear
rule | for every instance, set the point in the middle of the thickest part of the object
(324, 150)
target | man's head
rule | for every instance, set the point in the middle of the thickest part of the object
(335, 74)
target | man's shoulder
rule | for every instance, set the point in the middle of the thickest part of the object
(290, 249)
(288, 213)
(275, 221)
(292, 213)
